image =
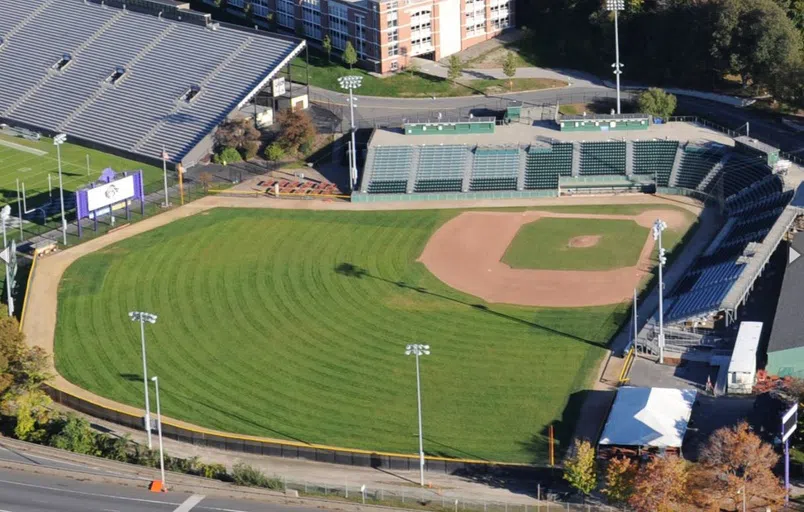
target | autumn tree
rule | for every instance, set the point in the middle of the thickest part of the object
(240, 134)
(620, 474)
(295, 129)
(660, 486)
(734, 461)
(580, 469)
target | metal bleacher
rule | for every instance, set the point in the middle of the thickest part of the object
(158, 61)
(654, 157)
(546, 163)
(696, 162)
(440, 168)
(753, 218)
(739, 173)
(390, 170)
(602, 158)
(495, 169)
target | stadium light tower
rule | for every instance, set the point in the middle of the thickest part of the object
(419, 350)
(5, 213)
(159, 431)
(142, 317)
(658, 227)
(352, 82)
(616, 5)
(58, 140)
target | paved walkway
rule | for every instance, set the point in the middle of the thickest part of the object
(42, 306)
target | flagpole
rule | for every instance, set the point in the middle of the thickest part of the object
(164, 173)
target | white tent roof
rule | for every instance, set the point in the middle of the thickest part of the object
(655, 417)
(744, 356)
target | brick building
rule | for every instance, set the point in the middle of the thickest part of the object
(387, 33)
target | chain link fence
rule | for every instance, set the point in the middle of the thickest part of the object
(439, 501)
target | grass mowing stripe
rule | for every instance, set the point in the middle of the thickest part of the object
(258, 333)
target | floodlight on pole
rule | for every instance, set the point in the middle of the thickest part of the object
(658, 227)
(352, 82)
(616, 6)
(58, 140)
(155, 380)
(5, 213)
(419, 350)
(142, 317)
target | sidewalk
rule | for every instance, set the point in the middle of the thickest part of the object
(296, 471)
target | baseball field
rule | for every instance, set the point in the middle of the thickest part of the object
(293, 325)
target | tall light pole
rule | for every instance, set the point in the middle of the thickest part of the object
(159, 430)
(419, 350)
(164, 156)
(58, 140)
(5, 213)
(352, 82)
(658, 227)
(616, 5)
(142, 317)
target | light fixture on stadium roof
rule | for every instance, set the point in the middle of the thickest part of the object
(60, 139)
(615, 5)
(5, 212)
(350, 81)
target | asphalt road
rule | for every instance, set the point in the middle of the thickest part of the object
(370, 108)
(28, 492)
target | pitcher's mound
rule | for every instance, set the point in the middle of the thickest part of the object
(579, 242)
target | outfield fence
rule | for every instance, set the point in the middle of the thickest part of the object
(199, 436)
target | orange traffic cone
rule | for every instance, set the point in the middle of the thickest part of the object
(156, 486)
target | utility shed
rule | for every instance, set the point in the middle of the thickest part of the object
(743, 364)
(646, 420)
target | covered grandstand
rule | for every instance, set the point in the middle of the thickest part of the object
(126, 80)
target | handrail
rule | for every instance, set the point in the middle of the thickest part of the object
(629, 362)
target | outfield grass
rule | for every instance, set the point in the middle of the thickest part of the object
(33, 169)
(544, 244)
(293, 324)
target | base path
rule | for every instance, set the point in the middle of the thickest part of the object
(466, 254)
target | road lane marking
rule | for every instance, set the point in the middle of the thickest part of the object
(189, 503)
(83, 493)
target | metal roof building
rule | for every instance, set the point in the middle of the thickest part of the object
(129, 81)
(786, 345)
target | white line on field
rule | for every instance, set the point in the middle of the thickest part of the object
(24, 149)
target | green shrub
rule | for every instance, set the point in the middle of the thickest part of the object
(250, 149)
(75, 435)
(274, 152)
(243, 474)
(216, 471)
(306, 147)
(227, 155)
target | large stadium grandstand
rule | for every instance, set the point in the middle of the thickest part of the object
(127, 76)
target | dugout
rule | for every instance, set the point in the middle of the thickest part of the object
(603, 122)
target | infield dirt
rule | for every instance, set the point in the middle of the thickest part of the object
(466, 254)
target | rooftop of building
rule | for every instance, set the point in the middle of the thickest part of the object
(788, 324)
(546, 131)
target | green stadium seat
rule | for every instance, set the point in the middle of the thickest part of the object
(602, 158)
(655, 158)
(546, 163)
(495, 169)
(391, 169)
(441, 168)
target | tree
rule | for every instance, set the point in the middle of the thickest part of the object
(734, 461)
(349, 55)
(455, 67)
(274, 152)
(580, 470)
(75, 434)
(657, 103)
(205, 178)
(228, 155)
(755, 40)
(236, 133)
(327, 44)
(509, 68)
(620, 475)
(295, 128)
(660, 486)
